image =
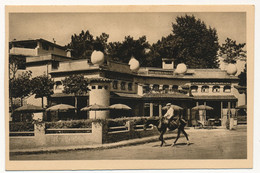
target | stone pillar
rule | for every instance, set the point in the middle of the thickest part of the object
(189, 115)
(39, 133)
(99, 94)
(221, 110)
(151, 109)
(160, 87)
(98, 132)
(160, 110)
(140, 90)
(199, 89)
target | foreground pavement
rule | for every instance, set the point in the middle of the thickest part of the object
(205, 144)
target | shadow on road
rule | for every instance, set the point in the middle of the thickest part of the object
(178, 144)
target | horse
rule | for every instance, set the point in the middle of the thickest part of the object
(162, 128)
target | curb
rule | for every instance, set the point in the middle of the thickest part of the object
(90, 147)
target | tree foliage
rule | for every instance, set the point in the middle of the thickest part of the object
(195, 43)
(75, 84)
(20, 87)
(243, 77)
(191, 42)
(231, 51)
(15, 62)
(42, 86)
(84, 44)
(129, 47)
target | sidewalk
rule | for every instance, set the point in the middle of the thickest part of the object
(170, 135)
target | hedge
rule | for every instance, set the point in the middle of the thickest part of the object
(21, 126)
(88, 123)
(69, 124)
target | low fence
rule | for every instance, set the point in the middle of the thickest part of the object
(88, 133)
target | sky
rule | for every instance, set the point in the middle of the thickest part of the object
(61, 26)
(154, 25)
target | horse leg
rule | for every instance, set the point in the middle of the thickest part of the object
(161, 138)
(186, 135)
(178, 136)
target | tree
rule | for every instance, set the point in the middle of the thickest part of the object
(191, 42)
(242, 77)
(231, 51)
(15, 63)
(84, 44)
(75, 84)
(129, 47)
(20, 87)
(42, 86)
(164, 48)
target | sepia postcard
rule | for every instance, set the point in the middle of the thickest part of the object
(129, 87)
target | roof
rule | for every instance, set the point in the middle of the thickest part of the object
(40, 40)
(166, 95)
(190, 74)
(215, 97)
(65, 95)
(126, 95)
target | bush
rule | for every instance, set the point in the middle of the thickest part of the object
(69, 124)
(122, 121)
(88, 123)
(20, 126)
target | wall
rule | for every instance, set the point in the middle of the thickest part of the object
(99, 135)
(23, 51)
(40, 139)
(39, 70)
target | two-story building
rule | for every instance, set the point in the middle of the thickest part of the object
(147, 90)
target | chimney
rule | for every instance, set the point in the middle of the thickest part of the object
(167, 63)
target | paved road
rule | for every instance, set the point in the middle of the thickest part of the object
(205, 144)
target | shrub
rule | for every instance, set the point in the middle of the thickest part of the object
(69, 124)
(20, 126)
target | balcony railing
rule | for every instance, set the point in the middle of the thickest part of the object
(23, 51)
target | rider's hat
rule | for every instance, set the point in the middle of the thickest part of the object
(168, 104)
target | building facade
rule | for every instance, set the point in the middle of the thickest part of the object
(146, 90)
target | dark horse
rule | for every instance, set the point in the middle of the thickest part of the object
(162, 126)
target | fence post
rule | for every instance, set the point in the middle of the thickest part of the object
(39, 134)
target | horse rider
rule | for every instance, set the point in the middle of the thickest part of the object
(168, 117)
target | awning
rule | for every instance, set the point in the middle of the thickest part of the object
(215, 97)
(159, 96)
(65, 95)
(125, 95)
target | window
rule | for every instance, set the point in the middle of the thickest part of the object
(115, 84)
(55, 65)
(227, 89)
(106, 87)
(194, 89)
(175, 87)
(156, 87)
(93, 87)
(130, 86)
(99, 87)
(122, 85)
(146, 88)
(168, 62)
(58, 85)
(216, 89)
(165, 87)
(205, 89)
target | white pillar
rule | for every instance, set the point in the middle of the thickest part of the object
(99, 94)
(151, 109)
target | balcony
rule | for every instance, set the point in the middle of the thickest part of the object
(23, 51)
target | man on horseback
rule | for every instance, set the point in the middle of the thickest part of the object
(168, 118)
